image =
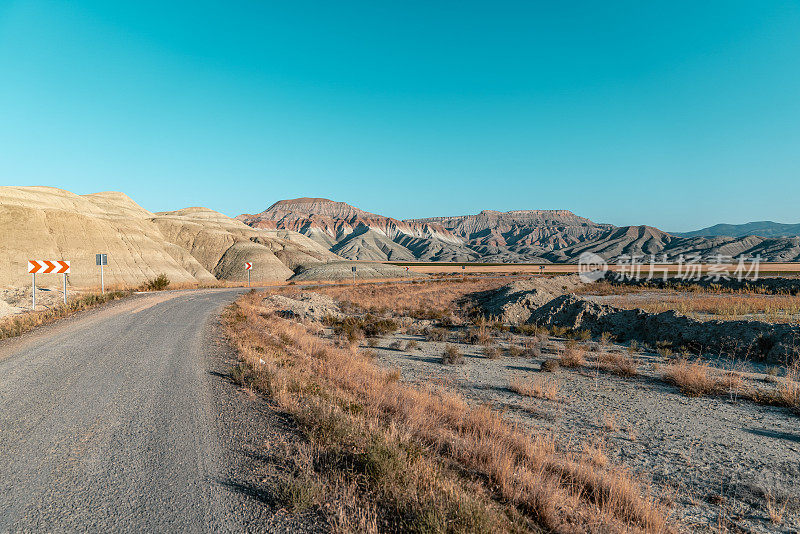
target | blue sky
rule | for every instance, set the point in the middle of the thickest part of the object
(674, 114)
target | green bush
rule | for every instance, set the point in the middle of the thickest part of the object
(159, 283)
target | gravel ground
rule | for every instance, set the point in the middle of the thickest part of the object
(717, 461)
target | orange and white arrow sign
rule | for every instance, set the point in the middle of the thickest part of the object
(248, 266)
(48, 266)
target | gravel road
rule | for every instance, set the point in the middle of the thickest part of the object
(113, 421)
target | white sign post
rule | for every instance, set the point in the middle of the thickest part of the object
(47, 267)
(102, 261)
(248, 267)
(354, 274)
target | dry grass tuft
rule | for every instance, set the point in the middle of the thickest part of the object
(596, 453)
(515, 351)
(572, 356)
(696, 378)
(539, 388)
(452, 356)
(617, 363)
(433, 333)
(609, 422)
(493, 353)
(550, 365)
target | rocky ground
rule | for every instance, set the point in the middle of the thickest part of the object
(15, 300)
(720, 462)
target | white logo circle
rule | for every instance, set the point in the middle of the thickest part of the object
(591, 267)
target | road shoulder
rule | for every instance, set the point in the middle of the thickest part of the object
(253, 436)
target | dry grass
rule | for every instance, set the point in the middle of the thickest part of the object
(480, 335)
(727, 306)
(17, 325)
(493, 353)
(572, 356)
(609, 422)
(786, 392)
(452, 356)
(420, 458)
(516, 351)
(775, 510)
(539, 388)
(432, 299)
(596, 453)
(617, 363)
(789, 388)
(695, 378)
(550, 365)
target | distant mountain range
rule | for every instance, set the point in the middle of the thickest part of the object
(493, 236)
(759, 228)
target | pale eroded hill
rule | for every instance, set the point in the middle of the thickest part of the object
(192, 245)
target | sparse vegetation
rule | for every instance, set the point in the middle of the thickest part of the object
(695, 378)
(453, 468)
(538, 387)
(492, 352)
(433, 333)
(550, 365)
(16, 325)
(572, 357)
(726, 305)
(452, 356)
(515, 351)
(355, 327)
(159, 283)
(617, 363)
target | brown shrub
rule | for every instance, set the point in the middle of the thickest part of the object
(539, 388)
(550, 365)
(433, 333)
(492, 353)
(572, 357)
(452, 356)
(515, 350)
(617, 363)
(696, 378)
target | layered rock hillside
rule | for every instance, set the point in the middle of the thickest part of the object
(357, 234)
(189, 246)
(493, 236)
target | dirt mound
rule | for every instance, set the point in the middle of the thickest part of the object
(751, 339)
(514, 303)
(343, 270)
(306, 305)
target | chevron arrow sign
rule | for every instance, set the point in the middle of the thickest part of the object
(248, 266)
(48, 266)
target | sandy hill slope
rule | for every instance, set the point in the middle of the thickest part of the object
(494, 236)
(191, 245)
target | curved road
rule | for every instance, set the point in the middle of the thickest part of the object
(108, 421)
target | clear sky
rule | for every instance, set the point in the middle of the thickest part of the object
(674, 114)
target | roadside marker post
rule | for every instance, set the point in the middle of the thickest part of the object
(354, 274)
(248, 267)
(47, 267)
(102, 261)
